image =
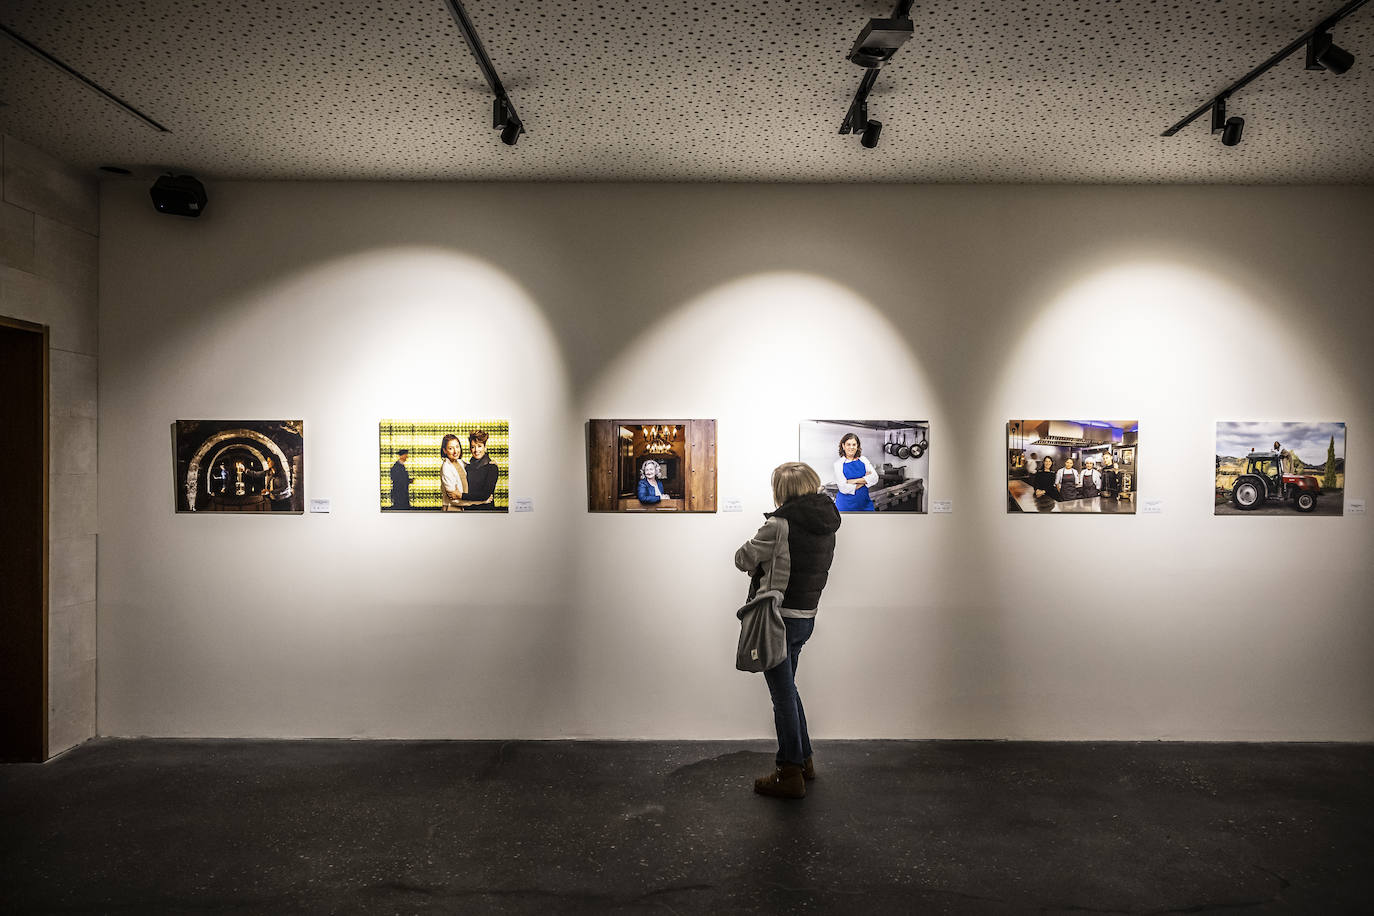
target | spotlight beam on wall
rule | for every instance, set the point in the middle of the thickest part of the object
(875, 46)
(504, 117)
(1319, 47)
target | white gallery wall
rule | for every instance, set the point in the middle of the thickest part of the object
(758, 306)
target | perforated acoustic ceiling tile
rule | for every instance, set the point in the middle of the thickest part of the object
(1055, 91)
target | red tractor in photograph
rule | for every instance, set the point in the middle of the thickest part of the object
(1263, 479)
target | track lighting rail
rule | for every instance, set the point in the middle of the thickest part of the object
(86, 80)
(1301, 41)
(876, 45)
(504, 117)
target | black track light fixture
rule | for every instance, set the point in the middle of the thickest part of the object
(1229, 128)
(504, 117)
(878, 41)
(1322, 54)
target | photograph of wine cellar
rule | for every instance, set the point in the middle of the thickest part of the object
(1072, 465)
(444, 465)
(870, 465)
(651, 465)
(239, 465)
(1269, 468)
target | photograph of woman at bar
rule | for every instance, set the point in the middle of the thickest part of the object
(654, 466)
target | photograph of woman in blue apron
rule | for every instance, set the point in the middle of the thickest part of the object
(855, 475)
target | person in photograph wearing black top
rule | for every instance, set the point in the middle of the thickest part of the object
(1042, 481)
(483, 473)
(1111, 478)
(401, 481)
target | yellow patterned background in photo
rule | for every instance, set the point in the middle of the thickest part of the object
(423, 439)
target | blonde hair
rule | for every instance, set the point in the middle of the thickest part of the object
(792, 479)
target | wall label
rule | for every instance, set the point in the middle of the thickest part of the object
(1152, 507)
(942, 506)
(1354, 507)
(523, 504)
(319, 505)
(732, 505)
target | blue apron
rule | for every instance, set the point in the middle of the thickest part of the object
(859, 501)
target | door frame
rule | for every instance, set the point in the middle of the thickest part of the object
(43, 332)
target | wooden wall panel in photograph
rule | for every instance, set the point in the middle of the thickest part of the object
(601, 466)
(701, 466)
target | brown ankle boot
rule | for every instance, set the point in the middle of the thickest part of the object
(784, 782)
(808, 769)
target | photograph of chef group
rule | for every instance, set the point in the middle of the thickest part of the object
(870, 465)
(1072, 465)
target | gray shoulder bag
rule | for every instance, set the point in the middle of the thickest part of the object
(762, 634)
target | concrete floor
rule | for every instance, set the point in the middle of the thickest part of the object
(123, 826)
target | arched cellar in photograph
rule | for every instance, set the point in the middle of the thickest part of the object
(239, 465)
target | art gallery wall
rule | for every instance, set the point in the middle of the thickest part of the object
(759, 306)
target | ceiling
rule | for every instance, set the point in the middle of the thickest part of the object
(988, 91)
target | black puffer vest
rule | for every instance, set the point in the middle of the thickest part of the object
(811, 525)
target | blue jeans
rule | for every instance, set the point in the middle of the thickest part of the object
(794, 744)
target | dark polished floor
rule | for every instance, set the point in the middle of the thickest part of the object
(651, 827)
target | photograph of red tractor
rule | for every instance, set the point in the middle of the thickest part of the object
(1263, 479)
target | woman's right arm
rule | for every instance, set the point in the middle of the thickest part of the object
(845, 486)
(758, 548)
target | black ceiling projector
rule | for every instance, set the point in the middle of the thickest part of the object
(179, 195)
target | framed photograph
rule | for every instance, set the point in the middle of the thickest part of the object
(870, 465)
(1072, 466)
(651, 465)
(239, 465)
(1270, 468)
(444, 465)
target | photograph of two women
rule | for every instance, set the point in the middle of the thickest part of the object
(444, 465)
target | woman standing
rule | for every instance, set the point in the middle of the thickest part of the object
(1066, 481)
(453, 478)
(792, 553)
(1089, 481)
(855, 475)
(1042, 481)
(482, 474)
